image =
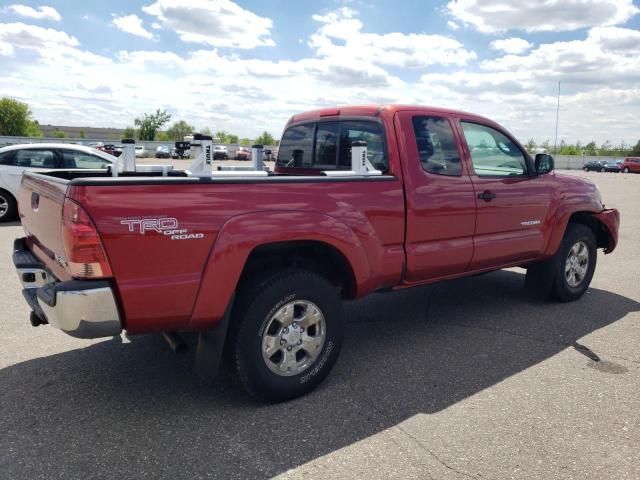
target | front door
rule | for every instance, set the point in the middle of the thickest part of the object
(512, 203)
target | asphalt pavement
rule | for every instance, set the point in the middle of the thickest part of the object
(465, 379)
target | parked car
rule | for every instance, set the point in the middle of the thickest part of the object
(243, 153)
(267, 155)
(141, 151)
(220, 152)
(261, 271)
(33, 157)
(631, 165)
(163, 151)
(111, 150)
(594, 166)
(614, 166)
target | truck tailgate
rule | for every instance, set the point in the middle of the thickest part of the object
(40, 203)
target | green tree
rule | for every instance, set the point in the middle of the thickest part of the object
(149, 124)
(245, 142)
(59, 134)
(206, 131)
(546, 146)
(33, 129)
(590, 148)
(15, 118)
(531, 145)
(179, 130)
(129, 132)
(82, 135)
(265, 139)
(222, 136)
(605, 148)
(233, 139)
(163, 137)
(635, 151)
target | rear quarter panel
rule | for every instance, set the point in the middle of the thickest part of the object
(160, 281)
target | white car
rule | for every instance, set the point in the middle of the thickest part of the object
(220, 152)
(141, 151)
(33, 157)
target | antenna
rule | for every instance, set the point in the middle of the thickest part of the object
(555, 145)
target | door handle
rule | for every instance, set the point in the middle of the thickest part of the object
(487, 196)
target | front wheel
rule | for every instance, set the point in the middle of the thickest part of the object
(585, 169)
(286, 334)
(576, 263)
(625, 170)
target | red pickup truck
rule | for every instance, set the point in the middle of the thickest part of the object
(260, 264)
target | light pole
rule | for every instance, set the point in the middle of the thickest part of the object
(555, 145)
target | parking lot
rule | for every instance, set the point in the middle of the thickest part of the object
(427, 386)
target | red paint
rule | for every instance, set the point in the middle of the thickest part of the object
(632, 164)
(415, 228)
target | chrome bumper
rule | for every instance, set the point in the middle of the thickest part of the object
(83, 309)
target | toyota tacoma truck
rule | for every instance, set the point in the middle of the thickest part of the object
(259, 265)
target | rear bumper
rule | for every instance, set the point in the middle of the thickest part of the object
(610, 220)
(82, 309)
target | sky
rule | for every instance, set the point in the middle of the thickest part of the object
(246, 66)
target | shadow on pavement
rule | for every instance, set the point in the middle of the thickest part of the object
(121, 408)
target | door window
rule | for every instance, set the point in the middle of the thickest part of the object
(437, 146)
(6, 158)
(73, 159)
(493, 154)
(34, 158)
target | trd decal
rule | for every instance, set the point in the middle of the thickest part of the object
(167, 226)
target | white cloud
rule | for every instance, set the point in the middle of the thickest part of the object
(156, 26)
(600, 75)
(492, 16)
(219, 23)
(132, 24)
(40, 13)
(511, 45)
(452, 25)
(341, 37)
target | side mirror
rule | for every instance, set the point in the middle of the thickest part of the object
(543, 163)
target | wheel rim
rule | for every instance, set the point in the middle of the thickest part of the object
(577, 264)
(4, 206)
(293, 338)
(626, 170)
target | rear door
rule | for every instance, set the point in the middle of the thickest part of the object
(513, 205)
(441, 207)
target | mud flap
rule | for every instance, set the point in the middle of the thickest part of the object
(211, 346)
(540, 277)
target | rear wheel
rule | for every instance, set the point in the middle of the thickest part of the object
(8, 206)
(625, 170)
(602, 170)
(286, 334)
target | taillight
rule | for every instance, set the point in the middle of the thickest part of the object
(85, 255)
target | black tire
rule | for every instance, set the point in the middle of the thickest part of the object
(561, 289)
(602, 170)
(585, 169)
(8, 207)
(257, 306)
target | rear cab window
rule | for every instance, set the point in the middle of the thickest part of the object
(326, 145)
(437, 146)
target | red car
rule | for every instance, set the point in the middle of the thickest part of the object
(260, 263)
(631, 165)
(243, 153)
